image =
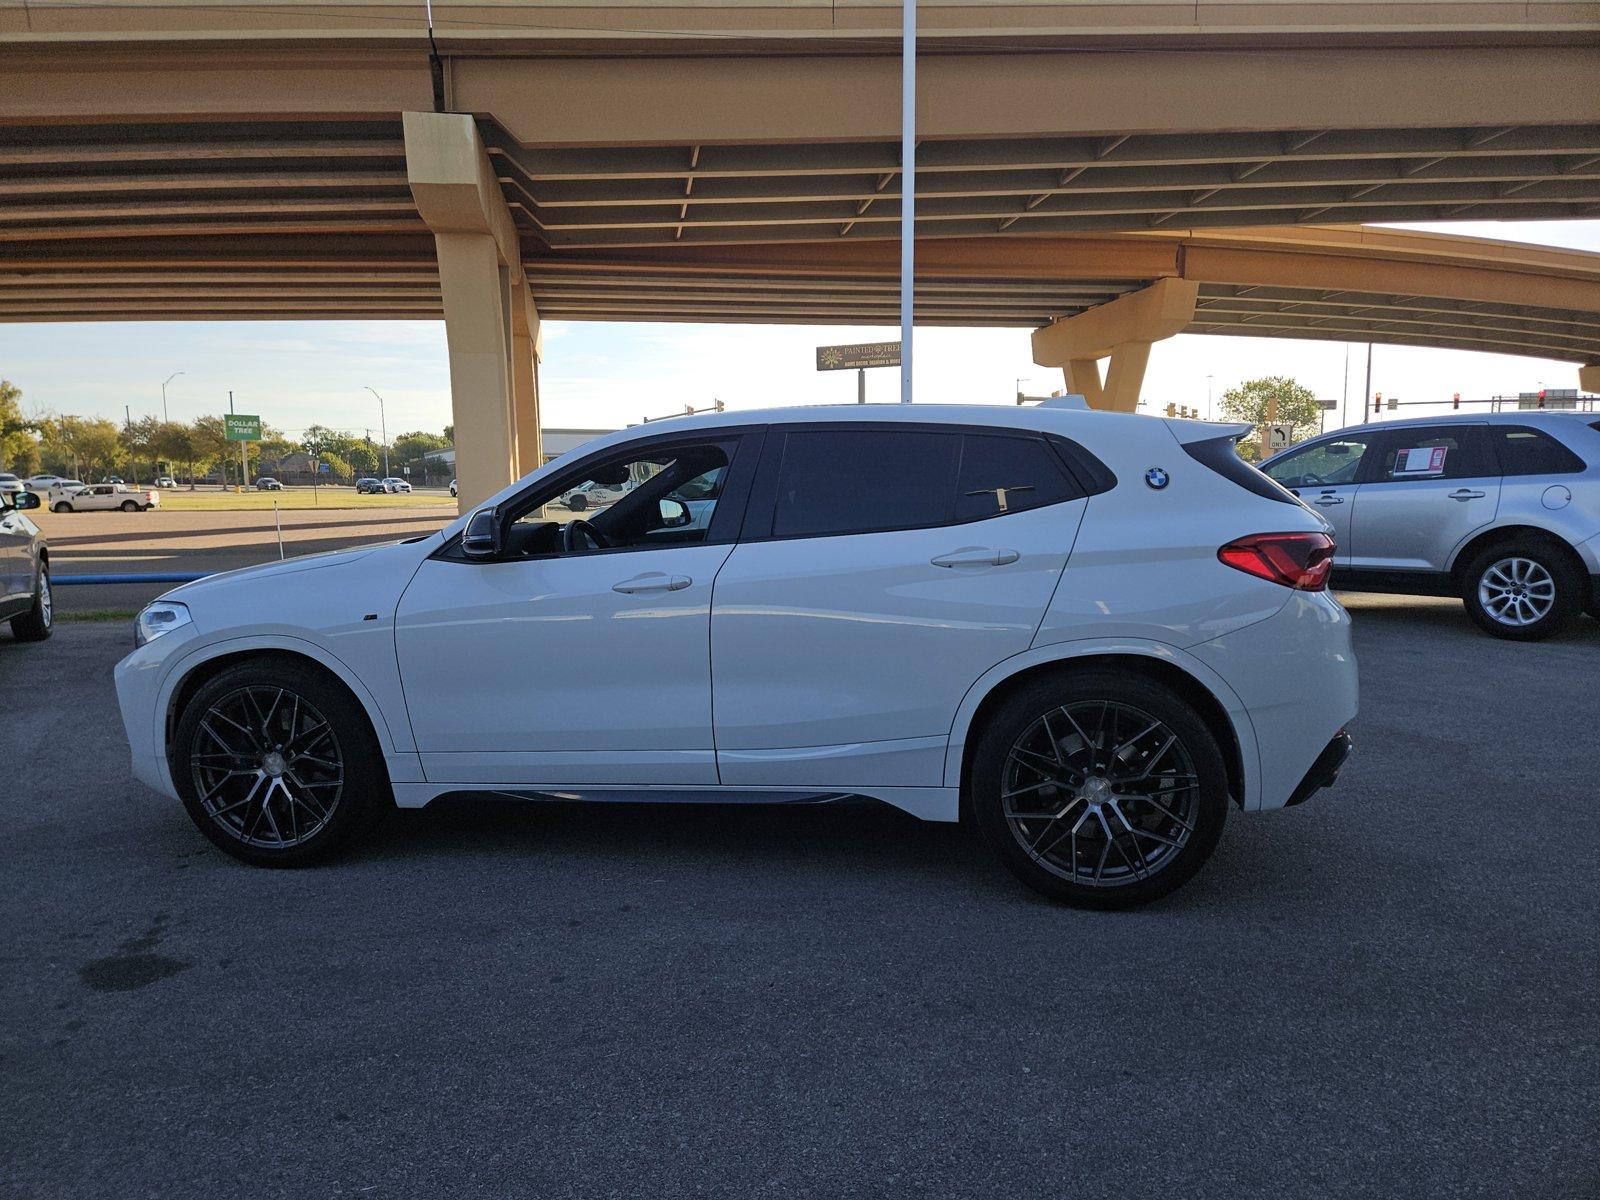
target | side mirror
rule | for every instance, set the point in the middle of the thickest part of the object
(674, 513)
(482, 536)
(25, 500)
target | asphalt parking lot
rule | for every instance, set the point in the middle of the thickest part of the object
(1387, 992)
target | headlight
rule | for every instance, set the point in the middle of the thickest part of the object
(163, 616)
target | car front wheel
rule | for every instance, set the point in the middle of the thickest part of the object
(1100, 789)
(277, 763)
(1523, 593)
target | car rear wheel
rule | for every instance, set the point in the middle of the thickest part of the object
(61, 506)
(1100, 789)
(277, 764)
(129, 506)
(35, 624)
(1524, 593)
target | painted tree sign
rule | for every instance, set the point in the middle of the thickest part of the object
(858, 356)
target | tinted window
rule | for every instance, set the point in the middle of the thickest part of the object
(859, 480)
(1334, 461)
(1524, 451)
(1007, 474)
(1430, 452)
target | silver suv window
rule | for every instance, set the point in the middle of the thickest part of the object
(1337, 460)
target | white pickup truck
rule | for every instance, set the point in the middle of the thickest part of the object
(97, 496)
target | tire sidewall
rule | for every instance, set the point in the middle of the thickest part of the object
(1017, 712)
(1569, 597)
(366, 794)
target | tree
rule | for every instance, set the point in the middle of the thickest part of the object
(92, 445)
(409, 447)
(173, 444)
(1296, 406)
(19, 448)
(139, 445)
(363, 459)
(210, 442)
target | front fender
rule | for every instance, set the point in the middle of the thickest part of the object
(393, 728)
(1090, 648)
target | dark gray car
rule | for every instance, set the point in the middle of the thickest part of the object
(24, 570)
(1501, 509)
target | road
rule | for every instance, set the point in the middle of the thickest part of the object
(1387, 992)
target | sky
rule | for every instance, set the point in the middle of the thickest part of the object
(606, 375)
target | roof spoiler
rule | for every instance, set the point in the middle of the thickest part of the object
(1204, 431)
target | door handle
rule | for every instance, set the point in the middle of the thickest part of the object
(1466, 494)
(1324, 501)
(976, 556)
(652, 581)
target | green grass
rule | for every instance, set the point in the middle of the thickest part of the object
(329, 498)
(90, 615)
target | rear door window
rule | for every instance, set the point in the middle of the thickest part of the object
(1430, 452)
(1525, 451)
(836, 481)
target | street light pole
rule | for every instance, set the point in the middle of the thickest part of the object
(908, 187)
(164, 418)
(383, 432)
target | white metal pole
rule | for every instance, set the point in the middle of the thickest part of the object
(908, 186)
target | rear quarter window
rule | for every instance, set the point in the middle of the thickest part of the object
(1523, 450)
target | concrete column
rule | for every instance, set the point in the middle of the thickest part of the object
(1083, 379)
(488, 309)
(525, 346)
(1125, 376)
(1589, 377)
(475, 324)
(1122, 331)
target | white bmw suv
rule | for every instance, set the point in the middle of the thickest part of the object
(1096, 631)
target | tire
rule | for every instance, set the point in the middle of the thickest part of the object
(36, 624)
(1056, 723)
(577, 503)
(1523, 592)
(223, 767)
(60, 506)
(129, 506)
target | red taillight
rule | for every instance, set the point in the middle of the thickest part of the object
(1296, 560)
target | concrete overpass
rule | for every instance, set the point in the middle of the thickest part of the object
(1108, 174)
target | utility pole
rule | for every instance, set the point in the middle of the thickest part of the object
(1367, 393)
(383, 432)
(908, 187)
(244, 450)
(164, 417)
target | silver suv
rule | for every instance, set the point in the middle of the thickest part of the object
(1502, 510)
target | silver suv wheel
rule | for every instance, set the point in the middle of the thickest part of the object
(1517, 591)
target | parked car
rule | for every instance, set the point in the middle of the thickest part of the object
(368, 486)
(592, 494)
(24, 569)
(1501, 509)
(392, 484)
(453, 491)
(114, 479)
(10, 483)
(101, 496)
(1101, 629)
(41, 483)
(166, 481)
(268, 484)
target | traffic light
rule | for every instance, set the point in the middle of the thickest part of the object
(1455, 400)
(718, 406)
(1377, 402)
(1172, 410)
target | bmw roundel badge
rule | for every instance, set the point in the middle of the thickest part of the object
(1157, 478)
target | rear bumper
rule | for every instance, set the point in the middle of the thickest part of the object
(1325, 770)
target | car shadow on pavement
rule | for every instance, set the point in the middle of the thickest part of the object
(1438, 616)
